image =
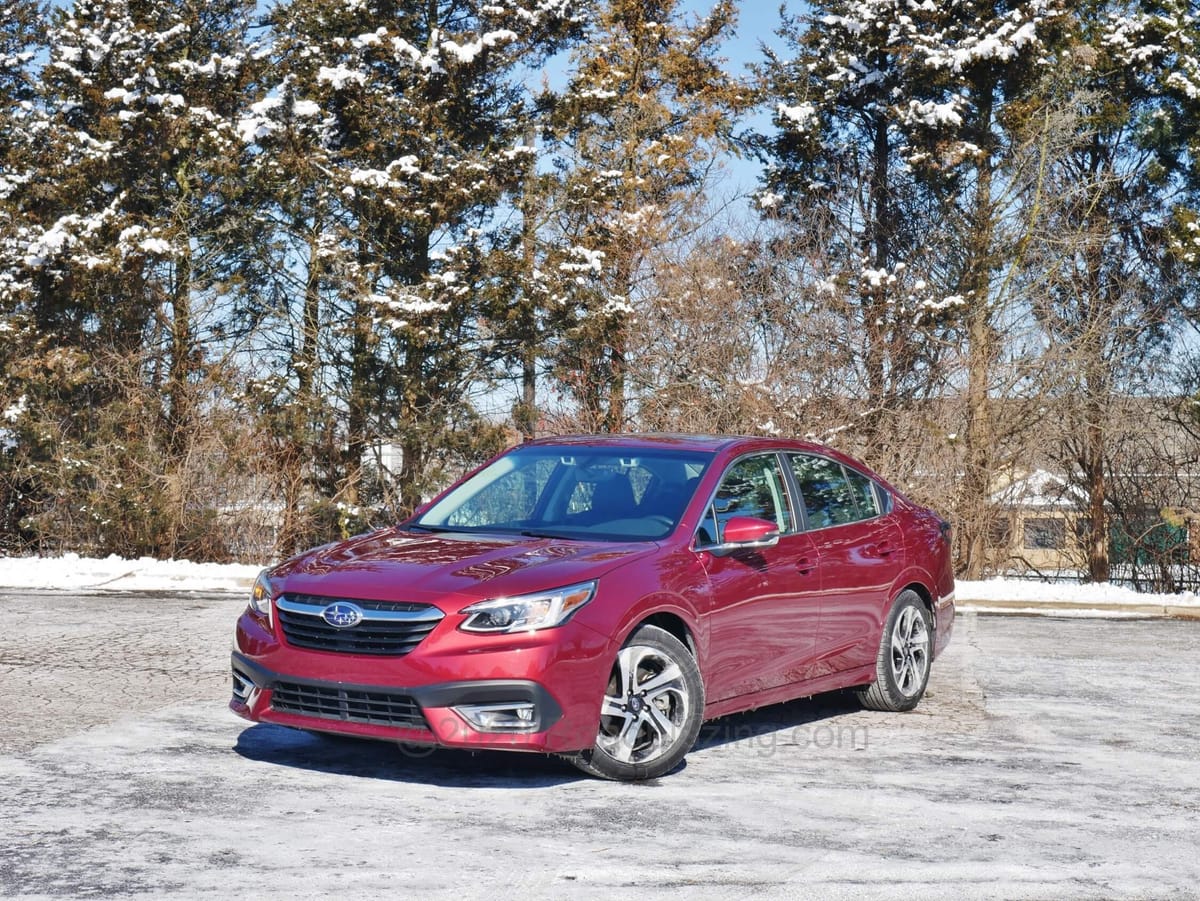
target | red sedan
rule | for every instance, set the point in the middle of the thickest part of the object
(600, 597)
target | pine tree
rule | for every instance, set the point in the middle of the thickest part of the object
(22, 36)
(121, 237)
(1119, 186)
(908, 117)
(415, 112)
(987, 59)
(639, 127)
(847, 97)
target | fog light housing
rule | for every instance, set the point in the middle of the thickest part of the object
(244, 690)
(518, 716)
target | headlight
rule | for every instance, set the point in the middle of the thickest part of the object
(529, 612)
(260, 596)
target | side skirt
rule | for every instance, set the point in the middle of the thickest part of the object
(863, 675)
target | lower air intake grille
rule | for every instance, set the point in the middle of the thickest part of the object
(327, 702)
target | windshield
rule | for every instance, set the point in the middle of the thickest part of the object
(611, 494)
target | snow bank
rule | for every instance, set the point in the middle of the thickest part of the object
(1092, 595)
(73, 573)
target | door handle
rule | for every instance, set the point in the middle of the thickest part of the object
(805, 565)
(884, 549)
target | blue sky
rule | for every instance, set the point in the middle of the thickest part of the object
(757, 21)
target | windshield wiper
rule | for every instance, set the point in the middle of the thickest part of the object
(531, 533)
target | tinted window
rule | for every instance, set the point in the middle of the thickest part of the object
(751, 487)
(829, 498)
(863, 490)
(607, 492)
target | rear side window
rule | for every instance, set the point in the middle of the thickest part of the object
(833, 495)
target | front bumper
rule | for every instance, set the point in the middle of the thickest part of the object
(426, 697)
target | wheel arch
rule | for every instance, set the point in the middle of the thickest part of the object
(673, 623)
(920, 590)
(917, 580)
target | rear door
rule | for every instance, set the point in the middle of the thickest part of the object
(861, 549)
(765, 602)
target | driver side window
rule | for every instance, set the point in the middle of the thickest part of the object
(752, 486)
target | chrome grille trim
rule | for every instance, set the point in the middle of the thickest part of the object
(387, 628)
(423, 614)
(242, 687)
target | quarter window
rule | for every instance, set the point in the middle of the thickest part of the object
(863, 490)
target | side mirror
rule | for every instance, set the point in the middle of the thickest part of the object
(743, 532)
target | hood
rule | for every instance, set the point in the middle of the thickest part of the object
(397, 565)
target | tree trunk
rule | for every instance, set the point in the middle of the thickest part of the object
(1097, 488)
(182, 348)
(419, 393)
(615, 420)
(977, 477)
(526, 416)
(880, 249)
(301, 427)
(982, 342)
(362, 370)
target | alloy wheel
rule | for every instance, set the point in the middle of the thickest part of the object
(646, 706)
(910, 651)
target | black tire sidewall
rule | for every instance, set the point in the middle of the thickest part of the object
(887, 679)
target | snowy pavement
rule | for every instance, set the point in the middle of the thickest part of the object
(1052, 758)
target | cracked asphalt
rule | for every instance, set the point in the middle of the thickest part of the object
(1052, 758)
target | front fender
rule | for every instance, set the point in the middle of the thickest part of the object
(675, 585)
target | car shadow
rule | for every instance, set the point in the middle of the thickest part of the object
(450, 768)
(372, 759)
(807, 719)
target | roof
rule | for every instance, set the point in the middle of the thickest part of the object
(1039, 489)
(708, 443)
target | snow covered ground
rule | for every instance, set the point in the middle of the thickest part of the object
(1068, 599)
(1049, 759)
(73, 573)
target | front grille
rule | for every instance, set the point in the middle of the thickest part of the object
(387, 629)
(379, 708)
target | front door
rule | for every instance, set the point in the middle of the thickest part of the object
(765, 603)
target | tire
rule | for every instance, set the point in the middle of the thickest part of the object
(905, 655)
(652, 710)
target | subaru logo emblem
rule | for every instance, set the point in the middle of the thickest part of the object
(342, 615)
